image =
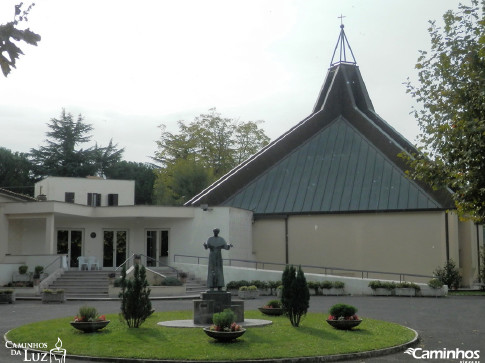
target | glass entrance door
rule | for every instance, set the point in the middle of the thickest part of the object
(156, 247)
(69, 242)
(114, 248)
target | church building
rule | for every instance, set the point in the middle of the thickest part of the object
(332, 192)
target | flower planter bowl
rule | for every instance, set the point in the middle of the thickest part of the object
(271, 311)
(89, 326)
(344, 324)
(224, 336)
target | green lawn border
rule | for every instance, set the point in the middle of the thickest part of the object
(325, 358)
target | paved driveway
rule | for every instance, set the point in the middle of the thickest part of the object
(453, 322)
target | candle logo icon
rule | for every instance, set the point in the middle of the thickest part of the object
(58, 354)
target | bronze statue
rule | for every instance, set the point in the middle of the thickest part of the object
(215, 274)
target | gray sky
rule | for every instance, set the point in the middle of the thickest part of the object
(128, 66)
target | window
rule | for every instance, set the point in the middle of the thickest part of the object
(94, 199)
(112, 199)
(69, 197)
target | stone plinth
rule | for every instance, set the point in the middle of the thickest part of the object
(211, 302)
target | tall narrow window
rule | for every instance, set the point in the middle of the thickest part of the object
(69, 197)
(94, 199)
(112, 199)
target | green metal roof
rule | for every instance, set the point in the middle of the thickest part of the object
(341, 158)
(337, 170)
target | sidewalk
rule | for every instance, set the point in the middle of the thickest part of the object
(452, 322)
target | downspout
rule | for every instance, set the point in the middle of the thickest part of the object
(478, 253)
(286, 240)
(447, 227)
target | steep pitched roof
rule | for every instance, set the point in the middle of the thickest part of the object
(342, 158)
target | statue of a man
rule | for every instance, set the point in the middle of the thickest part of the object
(215, 275)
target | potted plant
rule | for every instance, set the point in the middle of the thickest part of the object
(380, 288)
(272, 307)
(248, 292)
(23, 269)
(7, 296)
(38, 270)
(273, 286)
(223, 327)
(332, 288)
(55, 296)
(435, 288)
(183, 277)
(88, 320)
(343, 317)
(406, 289)
(315, 286)
(279, 291)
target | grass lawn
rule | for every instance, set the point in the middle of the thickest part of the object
(314, 337)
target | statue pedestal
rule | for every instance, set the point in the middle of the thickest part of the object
(211, 302)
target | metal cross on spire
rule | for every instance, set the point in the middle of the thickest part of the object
(343, 45)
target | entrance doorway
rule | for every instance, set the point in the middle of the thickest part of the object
(114, 248)
(70, 242)
(157, 247)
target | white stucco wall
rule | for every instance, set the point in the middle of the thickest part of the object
(55, 188)
(409, 242)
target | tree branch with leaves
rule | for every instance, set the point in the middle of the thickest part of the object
(451, 112)
(10, 34)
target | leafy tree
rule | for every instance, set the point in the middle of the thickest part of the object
(9, 51)
(61, 157)
(15, 172)
(207, 148)
(452, 116)
(295, 296)
(142, 173)
(179, 181)
(136, 306)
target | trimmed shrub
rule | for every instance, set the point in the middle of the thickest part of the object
(344, 310)
(382, 285)
(435, 284)
(326, 284)
(23, 269)
(295, 296)
(224, 319)
(339, 284)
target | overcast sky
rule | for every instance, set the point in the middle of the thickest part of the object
(129, 66)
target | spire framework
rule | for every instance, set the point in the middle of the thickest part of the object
(344, 49)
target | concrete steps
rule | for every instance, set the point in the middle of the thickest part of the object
(94, 284)
(83, 284)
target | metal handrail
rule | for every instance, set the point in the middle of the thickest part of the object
(148, 257)
(364, 273)
(57, 258)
